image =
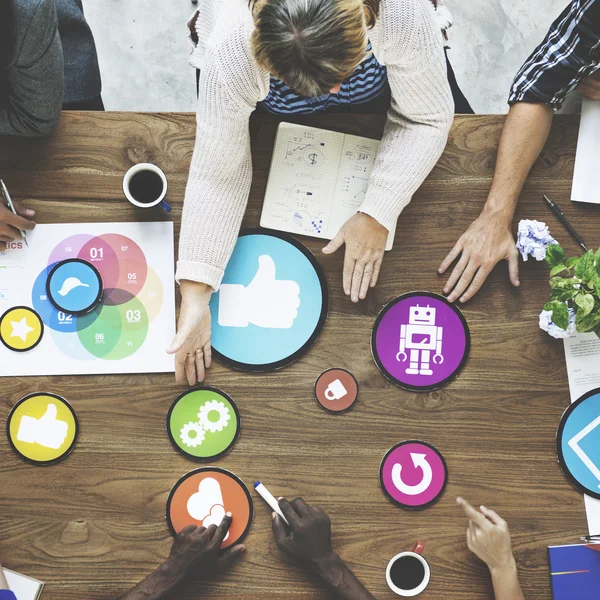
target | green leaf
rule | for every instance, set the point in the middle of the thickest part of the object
(557, 269)
(551, 305)
(585, 302)
(562, 294)
(555, 255)
(587, 323)
(586, 267)
(560, 315)
(571, 262)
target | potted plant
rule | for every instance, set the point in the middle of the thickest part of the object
(574, 304)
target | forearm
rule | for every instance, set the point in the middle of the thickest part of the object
(339, 578)
(156, 586)
(525, 132)
(506, 583)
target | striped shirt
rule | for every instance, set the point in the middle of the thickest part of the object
(369, 81)
(569, 53)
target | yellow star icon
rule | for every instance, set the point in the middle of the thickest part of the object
(21, 329)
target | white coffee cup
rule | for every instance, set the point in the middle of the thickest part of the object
(415, 553)
(146, 167)
(335, 390)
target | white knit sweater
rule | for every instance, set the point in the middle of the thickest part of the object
(406, 39)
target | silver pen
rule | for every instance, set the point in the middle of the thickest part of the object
(11, 207)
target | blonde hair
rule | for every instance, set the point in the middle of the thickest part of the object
(311, 45)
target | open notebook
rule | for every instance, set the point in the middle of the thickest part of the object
(317, 181)
(24, 588)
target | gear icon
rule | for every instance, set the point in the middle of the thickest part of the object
(197, 428)
(206, 409)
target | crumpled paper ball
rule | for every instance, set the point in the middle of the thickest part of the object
(533, 238)
(547, 325)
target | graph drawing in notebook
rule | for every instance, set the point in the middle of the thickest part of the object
(317, 181)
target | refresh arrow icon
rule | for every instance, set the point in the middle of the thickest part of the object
(419, 460)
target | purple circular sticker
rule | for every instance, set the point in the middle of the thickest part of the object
(413, 474)
(420, 341)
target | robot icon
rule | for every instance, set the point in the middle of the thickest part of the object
(420, 341)
(420, 337)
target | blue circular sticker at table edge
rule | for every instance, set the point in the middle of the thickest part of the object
(81, 279)
(577, 435)
(272, 303)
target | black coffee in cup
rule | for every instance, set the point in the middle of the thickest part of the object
(146, 186)
(407, 573)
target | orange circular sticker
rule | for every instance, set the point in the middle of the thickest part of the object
(203, 496)
(336, 390)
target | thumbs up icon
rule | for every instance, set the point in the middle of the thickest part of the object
(47, 431)
(265, 302)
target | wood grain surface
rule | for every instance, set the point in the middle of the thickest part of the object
(94, 525)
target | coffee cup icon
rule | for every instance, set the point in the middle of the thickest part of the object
(335, 390)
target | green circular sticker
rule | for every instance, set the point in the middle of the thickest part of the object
(203, 423)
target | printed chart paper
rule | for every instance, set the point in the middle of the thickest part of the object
(586, 184)
(317, 181)
(582, 354)
(128, 332)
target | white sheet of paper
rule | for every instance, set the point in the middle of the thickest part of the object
(586, 183)
(131, 328)
(582, 354)
(317, 180)
(24, 588)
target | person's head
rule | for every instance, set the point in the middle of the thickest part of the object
(311, 45)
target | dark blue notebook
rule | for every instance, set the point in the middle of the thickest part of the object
(575, 571)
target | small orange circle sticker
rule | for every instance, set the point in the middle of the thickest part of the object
(203, 496)
(336, 390)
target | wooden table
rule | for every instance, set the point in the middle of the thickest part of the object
(94, 525)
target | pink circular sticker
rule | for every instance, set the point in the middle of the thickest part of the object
(420, 341)
(413, 474)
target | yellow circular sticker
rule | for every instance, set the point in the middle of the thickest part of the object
(21, 329)
(42, 428)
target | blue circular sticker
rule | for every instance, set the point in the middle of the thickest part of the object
(74, 286)
(272, 303)
(578, 443)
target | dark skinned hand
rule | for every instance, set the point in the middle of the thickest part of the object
(198, 549)
(11, 224)
(308, 536)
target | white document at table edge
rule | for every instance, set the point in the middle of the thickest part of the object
(586, 183)
(24, 587)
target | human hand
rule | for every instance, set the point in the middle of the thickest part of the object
(365, 241)
(11, 224)
(191, 345)
(488, 537)
(486, 242)
(307, 538)
(198, 549)
(590, 87)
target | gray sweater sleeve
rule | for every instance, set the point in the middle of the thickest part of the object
(33, 100)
